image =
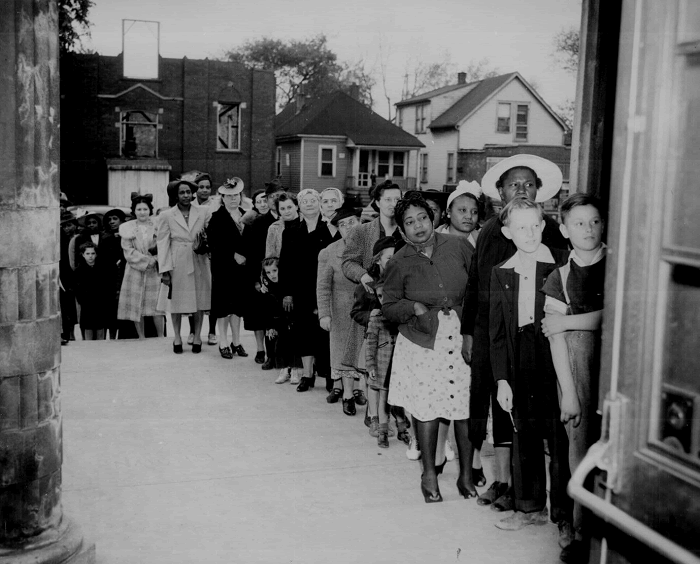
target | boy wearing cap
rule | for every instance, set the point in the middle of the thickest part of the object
(539, 180)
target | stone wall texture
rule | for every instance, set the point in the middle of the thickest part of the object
(30, 412)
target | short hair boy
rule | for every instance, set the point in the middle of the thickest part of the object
(522, 367)
(574, 307)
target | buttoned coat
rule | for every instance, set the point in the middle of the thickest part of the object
(190, 274)
(139, 290)
(335, 296)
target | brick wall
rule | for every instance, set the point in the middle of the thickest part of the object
(187, 139)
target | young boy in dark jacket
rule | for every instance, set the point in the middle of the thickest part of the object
(525, 375)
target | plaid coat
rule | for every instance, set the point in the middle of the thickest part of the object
(139, 291)
(380, 346)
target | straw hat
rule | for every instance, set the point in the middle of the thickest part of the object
(231, 186)
(549, 173)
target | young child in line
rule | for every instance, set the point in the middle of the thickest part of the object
(522, 365)
(574, 308)
(92, 290)
(278, 324)
(381, 337)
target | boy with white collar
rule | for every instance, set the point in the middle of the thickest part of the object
(522, 365)
(574, 308)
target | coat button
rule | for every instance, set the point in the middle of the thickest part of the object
(451, 367)
(452, 381)
(450, 352)
(450, 337)
(452, 397)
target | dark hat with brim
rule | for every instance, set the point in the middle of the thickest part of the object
(344, 212)
(67, 217)
(174, 185)
(383, 243)
(119, 213)
(275, 185)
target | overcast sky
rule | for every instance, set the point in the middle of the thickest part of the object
(515, 35)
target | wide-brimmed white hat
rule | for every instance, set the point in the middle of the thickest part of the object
(548, 172)
(464, 187)
(231, 186)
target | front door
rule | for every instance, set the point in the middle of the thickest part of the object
(649, 498)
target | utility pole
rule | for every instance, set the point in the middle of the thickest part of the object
(32, 525)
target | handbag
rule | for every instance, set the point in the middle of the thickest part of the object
(200, 245)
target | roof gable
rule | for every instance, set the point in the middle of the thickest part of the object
(461, 110)
(341, 114)
(425, 97)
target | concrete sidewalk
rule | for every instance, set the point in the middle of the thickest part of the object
(193, 458)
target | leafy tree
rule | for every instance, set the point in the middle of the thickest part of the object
(308, 62)
(73, 24)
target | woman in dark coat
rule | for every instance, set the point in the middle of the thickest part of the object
(230, 279)
(112, 257)
(298, 270)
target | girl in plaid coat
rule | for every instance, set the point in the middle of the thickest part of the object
(139, 291)
(381, 337)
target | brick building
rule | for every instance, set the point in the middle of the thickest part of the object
(121, 135)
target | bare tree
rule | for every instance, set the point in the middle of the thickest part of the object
(423, 77)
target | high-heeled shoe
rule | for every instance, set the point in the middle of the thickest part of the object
(440, 467)
(197, 348)
(478, 477)
(177, 349)
(430, 497)
(464, 491)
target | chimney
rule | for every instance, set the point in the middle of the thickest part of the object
(300, 97)
(461, 78)
(355, 91)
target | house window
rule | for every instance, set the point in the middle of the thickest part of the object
(503, 121)
(421, 114)
(383, 163)
(450, 168)
(228, 127)
(279, 161)
(424, 167)
(399, 168)
(521, 122)
(139, 133)
(326, 160)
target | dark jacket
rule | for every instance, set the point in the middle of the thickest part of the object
(438, 282)
(503, 325)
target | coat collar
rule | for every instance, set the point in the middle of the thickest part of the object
(439, 241)
(194, 214)
(542, 254)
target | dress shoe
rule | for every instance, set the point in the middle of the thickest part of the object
(478, 477)
(305, 384)
(260, 357)
(239, 350)
(465, 491)
(349, 406)
(496, 490)
(268, 364)
(212, 339)
(359, 397)
(196, 348)
(430, 496)
(334, 396)
(177, 349)
(226, 353)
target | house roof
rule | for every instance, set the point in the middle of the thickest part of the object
(473, 99)
(428, 95)
(340, 114)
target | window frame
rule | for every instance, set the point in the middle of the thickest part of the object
(519, 105)
(420, 117)
(278, 157)
(123, 124)
(510, 117)
(424, 168)
(333, 162)
(402, 164)
(219, 106)
(451, 169)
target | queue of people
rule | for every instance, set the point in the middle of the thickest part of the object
(431, 314)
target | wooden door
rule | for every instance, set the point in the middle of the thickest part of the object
(649, 508)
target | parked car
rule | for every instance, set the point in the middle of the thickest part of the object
(81, 211)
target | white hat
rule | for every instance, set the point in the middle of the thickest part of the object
(231, 186)
(464, 187)
(549, 173)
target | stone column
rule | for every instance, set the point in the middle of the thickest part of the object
(32, 525)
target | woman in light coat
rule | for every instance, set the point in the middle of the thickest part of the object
(186, 272)
(139, 289)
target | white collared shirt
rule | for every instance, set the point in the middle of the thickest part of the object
(527, 288)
